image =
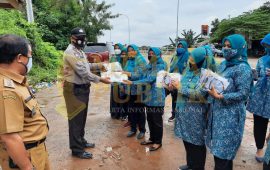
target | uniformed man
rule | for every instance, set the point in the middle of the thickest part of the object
(77, 78)
(23, 128)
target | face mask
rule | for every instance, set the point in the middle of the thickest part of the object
(117, 51)
(123, 55)
(229, 53)
(132, 54)
(81, 43)
(152, 59)
(29, 64)
(180, 51)
(192, 66)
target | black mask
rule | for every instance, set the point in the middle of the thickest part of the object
(80, 41)
(197, 65)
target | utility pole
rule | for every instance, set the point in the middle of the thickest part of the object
(177, 22)
(29, 10)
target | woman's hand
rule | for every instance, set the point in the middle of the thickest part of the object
(127, 82)
(126, 73)
(174, 85)
(214, 93)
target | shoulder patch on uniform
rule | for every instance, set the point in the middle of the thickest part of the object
(9, 83)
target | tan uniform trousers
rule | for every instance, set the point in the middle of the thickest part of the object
(38, 156)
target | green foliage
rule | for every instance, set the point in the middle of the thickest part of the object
(214, 24)
(46, 58)
(253, 24)
(190, 37)
(56, 18)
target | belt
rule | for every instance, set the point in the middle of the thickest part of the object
(78, 85)
(33, 145)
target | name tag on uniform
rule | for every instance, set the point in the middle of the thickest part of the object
(9, 83)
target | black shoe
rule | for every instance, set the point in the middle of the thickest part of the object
(124, 118)
(155, 148)
(147, 142)
(171, 119)
(89, 145)
(184, 167)
(83, 155)
(131, 133)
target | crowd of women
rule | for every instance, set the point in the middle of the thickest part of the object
(203, 118)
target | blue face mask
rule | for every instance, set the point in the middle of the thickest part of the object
(229, 53)
(180, 51)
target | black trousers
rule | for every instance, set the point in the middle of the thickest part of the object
(260, 129)
(136, 114)
(76, 98)
(155, 123)
(174, 94)
(118, 102)
(223, 164)
(195, 156)
(266, 166)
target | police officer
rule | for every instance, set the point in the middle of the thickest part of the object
(23, 128)
(77, 78)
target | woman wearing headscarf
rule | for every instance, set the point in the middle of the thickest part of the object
(191, 112)
(228, 112)
(117, 51)
(259, 103)
(177, 65)
(115, 108)
(153, 97)
(122, 95)
(136, 111)
(210, 62)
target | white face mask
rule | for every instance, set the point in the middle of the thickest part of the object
(29, 64)
(117, 51)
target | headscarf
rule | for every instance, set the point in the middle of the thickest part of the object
(124, 60)
(159, 60)
(237, 42)
(209, 62)
(199, 55)
(180, 61)
(118, 57)
(138, 60)
(266, 59)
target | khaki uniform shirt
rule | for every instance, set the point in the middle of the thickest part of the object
(77, 69)
(19, 110)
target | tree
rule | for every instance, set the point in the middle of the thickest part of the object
(46, 58)
(253, 24)
(214, 24)
(57, 17)
(96, 18)
(190, 37)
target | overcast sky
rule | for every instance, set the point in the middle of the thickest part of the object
(152, 22)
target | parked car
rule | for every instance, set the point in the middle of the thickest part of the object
(97, 52)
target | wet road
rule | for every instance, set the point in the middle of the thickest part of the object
(127, 153)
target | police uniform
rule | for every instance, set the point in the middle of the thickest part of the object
(20, 113)
(77, 78)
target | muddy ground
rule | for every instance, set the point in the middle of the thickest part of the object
(127, 153)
